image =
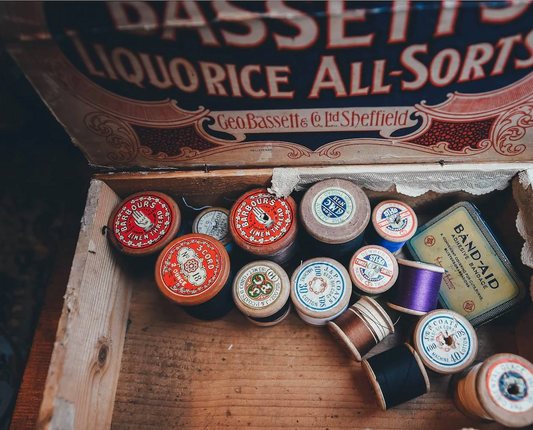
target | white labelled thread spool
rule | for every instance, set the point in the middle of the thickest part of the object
(445, 341)
(497, 390)
(320, 290)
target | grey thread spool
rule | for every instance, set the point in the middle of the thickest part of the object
(335, 213)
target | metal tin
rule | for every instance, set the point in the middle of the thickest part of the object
(479, 282)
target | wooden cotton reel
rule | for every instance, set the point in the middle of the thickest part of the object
(265, 226)
(261, 291)
(320, 290)
(214, 222)
(445, 341)
(361, 327)
(396, 376)
(144, 223)
(335, 213)
(499, 389)
(373, 270)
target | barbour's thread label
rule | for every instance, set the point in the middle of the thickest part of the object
(395, 220)
(213, 223)
(446, 341)
(509, 383)
(373, 268)
(320, 286)
(259, 286)
(142, 221)
(262, 219)
(191, 266)
(333, 207)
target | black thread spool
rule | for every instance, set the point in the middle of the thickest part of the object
(396, 376)
(335, 213)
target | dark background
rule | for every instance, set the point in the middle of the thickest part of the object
(43, 185)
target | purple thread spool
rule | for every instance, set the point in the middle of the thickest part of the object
(417, 287)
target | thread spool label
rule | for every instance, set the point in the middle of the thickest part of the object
(259, 286)
(373, 268)
(320, 286)
(395, 220)
(446, 341)
(262, 219)
(190, 267)
(213, 223)
(333, 207)
(142, 221)
(509, 383)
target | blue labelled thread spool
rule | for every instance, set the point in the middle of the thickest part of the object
(417, 288)
(393, 224)
(396, 375)
(334, 213)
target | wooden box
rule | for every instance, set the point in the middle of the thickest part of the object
(455, 82)
(126, 358)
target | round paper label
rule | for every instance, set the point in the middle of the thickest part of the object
(259, 286)
(446, 341)
(142, 221)
(395, 220)
(191, 266)
(213, 223)
(333, 206)
(509, 383)
(373, 268)
(320, 286)
(262, 219)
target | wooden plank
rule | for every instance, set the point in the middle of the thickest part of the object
(85, 364)
(178, 372)
(188, 183)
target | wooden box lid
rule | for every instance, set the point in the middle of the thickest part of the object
(173, 85)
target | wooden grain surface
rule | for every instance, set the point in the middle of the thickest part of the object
(178, 372)
(82, 376)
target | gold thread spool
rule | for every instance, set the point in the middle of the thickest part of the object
(361, 327)
(497, 390)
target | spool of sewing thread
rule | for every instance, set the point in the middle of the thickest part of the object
(214, 222)
(393, 224)
(320, 290)
(373, 270)
(264, 225)
(261, 291)
(396, 376)
(445, 341)
(144, 223)
(499, 389)
(417, 287)
(335, 213)
(361, 327)
(194, 272)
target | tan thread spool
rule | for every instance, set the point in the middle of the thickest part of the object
(361, 327)
(499, 389)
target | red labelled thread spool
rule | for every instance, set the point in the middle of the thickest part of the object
(361, 327)
(499, 389)
(144, 223)
(264, 225)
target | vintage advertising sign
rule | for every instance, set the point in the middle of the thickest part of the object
(172, 84)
